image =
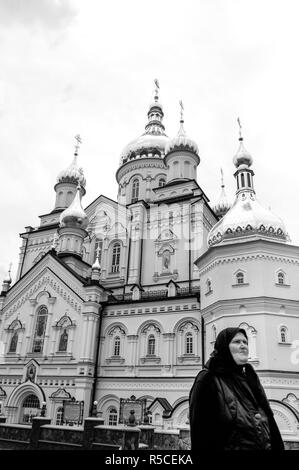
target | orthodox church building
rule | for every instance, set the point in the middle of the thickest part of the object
(125, 298)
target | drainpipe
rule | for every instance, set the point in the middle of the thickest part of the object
(93, 389)
(203, 340)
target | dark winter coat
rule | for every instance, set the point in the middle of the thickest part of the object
(228, 406)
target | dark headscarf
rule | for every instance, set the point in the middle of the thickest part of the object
(223, 364)
(221, 356)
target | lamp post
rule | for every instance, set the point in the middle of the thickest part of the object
(44, 409)
(94, 409)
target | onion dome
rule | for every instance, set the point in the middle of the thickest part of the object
(247, 218)
(222, 206)
(72, 174)
(74, 216)
(181, 141)
(242, 157)
(7, 280)
(153, 141)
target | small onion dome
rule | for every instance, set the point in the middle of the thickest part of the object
(247, 218)
(242, 156)
(181, 142)
(74, 216)
(222, 206)
(72, 174)
(96, 265)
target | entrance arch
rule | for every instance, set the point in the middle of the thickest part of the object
(24, 403)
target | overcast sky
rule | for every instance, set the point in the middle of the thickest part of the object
(88, 66)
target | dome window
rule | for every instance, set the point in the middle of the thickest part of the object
(281, 278)
(248, 180)
(242, 180)
(135, 190)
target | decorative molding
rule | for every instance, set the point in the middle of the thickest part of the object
(45, 280)
(242, 258)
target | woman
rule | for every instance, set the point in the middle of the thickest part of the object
(228, 406)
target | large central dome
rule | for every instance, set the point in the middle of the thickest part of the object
(153, 141)
(146, 145)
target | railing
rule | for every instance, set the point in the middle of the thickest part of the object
(155, 294)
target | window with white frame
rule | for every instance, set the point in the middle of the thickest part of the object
(208, 286)
(283, 334)
(30, 408)
(135, 190)
(115, 258)
(189, 343)
(112, 417)
(116, 348)
(240, 278)
(151, 345)
(40, 329)
(281, 278)
(59, 416)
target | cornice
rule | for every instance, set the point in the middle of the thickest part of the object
(248, 257)
(136, 164)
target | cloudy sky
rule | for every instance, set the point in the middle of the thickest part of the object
(88, 66)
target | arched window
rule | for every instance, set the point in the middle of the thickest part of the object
(63, 341)
(242, 180)
(162, 182)
(135, 190)
(13, 343)
(166, 260)
(283, 334)
(115, 258)
(30, 408)
(189, 343)
(116, 349)
(98, 250)
(40, 329)
(240, 278)
(281, 278)
(248, 180)
(59, 416)
(112, 417)
(151, 345)
(209, 285)
(214, 333)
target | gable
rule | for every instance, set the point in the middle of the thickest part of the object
(47, 273)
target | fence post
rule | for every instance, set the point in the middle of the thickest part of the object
(88, 433)
(37, 422)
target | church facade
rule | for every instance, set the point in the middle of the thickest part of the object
(125, 298)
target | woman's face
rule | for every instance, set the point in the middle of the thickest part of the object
(239, 348)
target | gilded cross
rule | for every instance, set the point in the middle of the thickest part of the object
(79, 141)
